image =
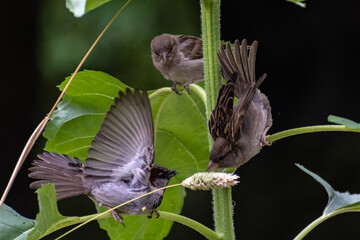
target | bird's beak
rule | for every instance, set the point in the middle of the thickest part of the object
(164, 56)
(212, 166)
(172, 173)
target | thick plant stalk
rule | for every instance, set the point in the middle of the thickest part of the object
(210, 23)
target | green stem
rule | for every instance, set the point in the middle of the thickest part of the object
(310, 129)
(205, 231)
(321, 219)
(223, 212)
(68, 221)
(311, 226)
(210, 23)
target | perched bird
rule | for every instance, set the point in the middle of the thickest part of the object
(120, 165)
(179, 58)
(238, 132)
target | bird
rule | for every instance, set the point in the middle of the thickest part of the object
(179, 58)
(120, 163)
(238, 132)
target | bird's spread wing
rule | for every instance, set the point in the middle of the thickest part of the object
(124, 144)
(191, 47)
(222, 111)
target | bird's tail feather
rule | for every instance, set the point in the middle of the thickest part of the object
(239, 66)
(61, 170)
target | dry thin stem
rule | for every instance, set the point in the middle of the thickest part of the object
(30, 143)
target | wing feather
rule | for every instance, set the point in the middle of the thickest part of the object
(222, 111)
(125, 141)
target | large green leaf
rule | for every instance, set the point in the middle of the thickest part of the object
(14, 226)
(79, 115)
(181, 141)
(180, 125)
(80, 7)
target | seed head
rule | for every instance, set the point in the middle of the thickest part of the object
(210, 180)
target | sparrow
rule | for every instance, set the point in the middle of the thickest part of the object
(179, 58)
(238, 132)
(120, 163)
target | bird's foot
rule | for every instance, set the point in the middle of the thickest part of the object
(117, 217)
(152, 212)
(186, 86)
(263, 139)
(174, 88)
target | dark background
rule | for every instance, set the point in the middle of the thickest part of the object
(310, 56)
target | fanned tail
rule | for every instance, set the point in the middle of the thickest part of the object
(239, 66)
(63, 171)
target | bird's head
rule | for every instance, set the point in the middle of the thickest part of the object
(160, 176)
(163, 48)
(221, 155)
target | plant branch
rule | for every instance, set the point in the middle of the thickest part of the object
(310, 129)
(200, 228)
(321, 219)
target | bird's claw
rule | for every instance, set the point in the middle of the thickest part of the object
(174, 88)
(117, 217)
(263, 140)
(186, 86)
(152, 212)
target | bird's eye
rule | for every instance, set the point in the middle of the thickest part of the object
(221, 157)
(171, 48)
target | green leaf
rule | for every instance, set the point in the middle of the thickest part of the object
(48, 212)
(14, 226)
(79, 115)
(337, 200)
(49, 219)
(180, 131)
(343, 121)
(180, 139)
(80, 7)
(300, 3)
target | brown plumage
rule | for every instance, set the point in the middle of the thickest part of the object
(239, 132)
(179, 58)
